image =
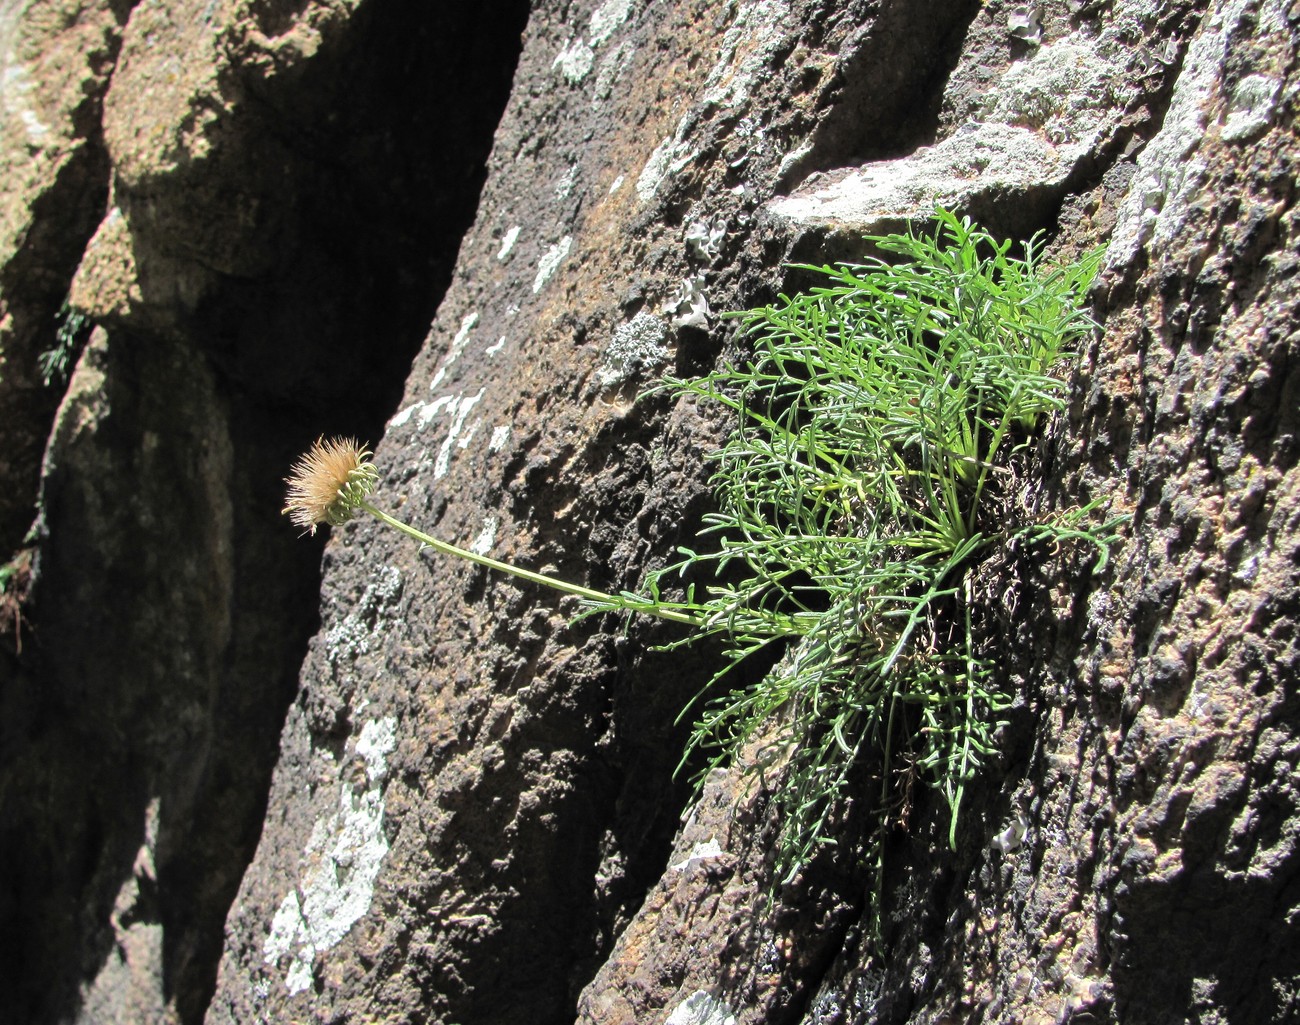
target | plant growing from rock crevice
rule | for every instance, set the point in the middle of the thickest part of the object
(72, 327)
(878, 423)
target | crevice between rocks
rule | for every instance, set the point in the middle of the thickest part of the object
(34, 284)
(886, 96)
(158, 724)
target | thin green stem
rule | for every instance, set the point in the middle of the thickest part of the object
(600, 598)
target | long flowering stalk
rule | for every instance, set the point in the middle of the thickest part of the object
(869, 476)
(334, 480)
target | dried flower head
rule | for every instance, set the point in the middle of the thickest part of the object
(329, 483)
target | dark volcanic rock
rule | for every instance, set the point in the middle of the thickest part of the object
(274, 232)
(473, 817)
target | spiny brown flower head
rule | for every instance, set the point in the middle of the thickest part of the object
(329, 483)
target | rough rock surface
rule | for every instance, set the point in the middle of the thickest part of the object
(56, 63)
(472, 816)
(273, 234)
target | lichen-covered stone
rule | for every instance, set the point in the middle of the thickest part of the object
(473, 817)
(272, 240)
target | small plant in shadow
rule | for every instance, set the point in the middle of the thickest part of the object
(71, 329)
(880, 426)
(15, 591)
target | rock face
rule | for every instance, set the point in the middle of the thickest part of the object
(472, 815)
(272, 239)
(57, 63)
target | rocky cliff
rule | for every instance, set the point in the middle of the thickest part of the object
(246, 778)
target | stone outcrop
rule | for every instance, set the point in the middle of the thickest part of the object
(57, 63)
(462, 802)
(270, 245)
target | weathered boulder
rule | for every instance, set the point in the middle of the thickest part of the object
(56, 62)
(1137, 860)
(272, 239)
(478, 868)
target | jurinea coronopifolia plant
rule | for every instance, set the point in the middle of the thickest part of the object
(880, 426)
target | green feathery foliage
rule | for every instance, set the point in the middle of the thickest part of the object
(865, 479)
(55, 364)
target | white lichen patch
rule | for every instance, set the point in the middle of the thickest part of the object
(1252, 108)
(793, 157)
(403, 416)
(455, 408)
(1013, 836)
(577, 57)
(612, 66)
(746, 49)
(1171, 172)
(15, 92)
(422, 412)
(704, 240)
(500, 436)
(701, 1008)
(457, 347)
(700, 852)
(338, 867)
(640, 344)
(351, 637)
(430, 411)
(672, 156)
(745, 52)
(508, 241)
(574, 61)
(378, 738)
(495, 347)
(550, 262)
(688, 306)
(1068, 90)
(459, 410)
(606, 20)
(1023, 23)
(487, 537)
(564, 187)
